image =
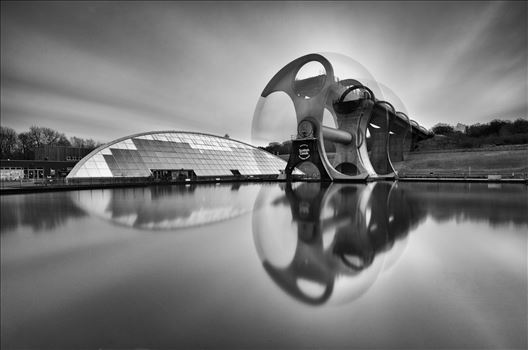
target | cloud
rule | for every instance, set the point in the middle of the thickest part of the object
(202, 66)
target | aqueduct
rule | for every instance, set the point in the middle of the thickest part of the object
(369, 133)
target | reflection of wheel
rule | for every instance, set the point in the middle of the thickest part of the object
(320, 251)
(356, 262)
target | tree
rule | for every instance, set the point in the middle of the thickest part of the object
(26, 145)
(477, 130)
(83, 143)
(8, 142)
(76, 141)
(520, 126)
(63, 141)
(443, 129)
(496, 125)
(90, 143)
(40, 136)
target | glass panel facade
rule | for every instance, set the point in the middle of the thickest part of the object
(206, 155)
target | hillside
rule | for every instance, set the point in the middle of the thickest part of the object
(508, 161)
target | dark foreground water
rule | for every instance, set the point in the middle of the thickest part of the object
(383, 265)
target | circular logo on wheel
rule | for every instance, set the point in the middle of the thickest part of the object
(305, 129)
(304, 151)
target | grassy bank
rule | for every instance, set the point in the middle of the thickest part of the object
(507, 161)
(501, 161)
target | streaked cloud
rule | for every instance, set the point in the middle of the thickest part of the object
(106, 69)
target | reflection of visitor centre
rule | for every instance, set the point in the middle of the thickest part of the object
(173, 155)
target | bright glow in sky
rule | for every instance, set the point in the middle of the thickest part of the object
(104, 70)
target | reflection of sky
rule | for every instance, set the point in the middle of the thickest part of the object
(90, 283)
(475, 202)
(108, 69)
(318, 228)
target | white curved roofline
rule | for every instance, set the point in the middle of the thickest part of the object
(108, 144)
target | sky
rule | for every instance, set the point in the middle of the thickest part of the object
(104, 70)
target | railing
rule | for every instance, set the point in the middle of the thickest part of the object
(61, 183)
(51, 184)
(28, 182)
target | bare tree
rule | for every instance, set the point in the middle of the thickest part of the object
(76, 141)
(63, 141)
(90, 143)
(26, 145)
(83, 143)
(23, 145)
(39, 136)
(8, 142)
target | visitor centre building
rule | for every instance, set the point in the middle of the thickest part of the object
(175, 155)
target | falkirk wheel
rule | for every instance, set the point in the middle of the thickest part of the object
(366, 133)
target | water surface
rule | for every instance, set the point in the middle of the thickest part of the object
(383, 265)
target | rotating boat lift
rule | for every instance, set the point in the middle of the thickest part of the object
(369, 133)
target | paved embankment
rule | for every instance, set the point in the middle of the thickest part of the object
(17, 188)
(494, 164)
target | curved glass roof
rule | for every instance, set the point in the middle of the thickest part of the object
(207, 155)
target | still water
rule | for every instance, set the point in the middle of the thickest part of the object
(382, 265)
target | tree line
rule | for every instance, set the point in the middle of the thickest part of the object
(23, 145)
(497, 132)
